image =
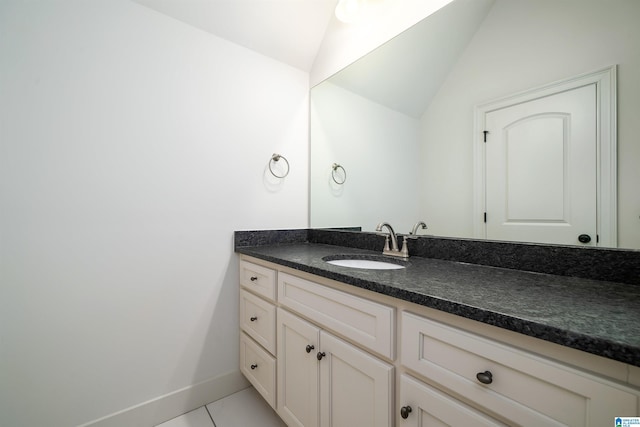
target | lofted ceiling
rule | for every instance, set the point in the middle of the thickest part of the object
(289, 31)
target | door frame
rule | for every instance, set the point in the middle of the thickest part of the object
(606, 145)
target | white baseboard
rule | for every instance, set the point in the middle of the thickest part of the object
(171, 405)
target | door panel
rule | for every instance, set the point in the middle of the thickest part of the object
(541, 168)
(533, 145)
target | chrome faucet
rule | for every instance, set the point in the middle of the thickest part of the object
(393, 250)
(414, 230)
(392, 234)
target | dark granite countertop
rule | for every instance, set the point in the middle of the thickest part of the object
(599, 317)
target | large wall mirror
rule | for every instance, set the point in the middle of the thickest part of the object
(400, 121)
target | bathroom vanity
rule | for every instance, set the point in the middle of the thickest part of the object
(437, 341)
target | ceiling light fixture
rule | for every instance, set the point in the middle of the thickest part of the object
(347, 10)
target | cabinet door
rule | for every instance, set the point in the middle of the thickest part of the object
(424, 406)
(356, 388)
(297, 370)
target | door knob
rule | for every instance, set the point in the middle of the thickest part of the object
(405, 411)
(584, 238)
(320, 355)
(309, 348)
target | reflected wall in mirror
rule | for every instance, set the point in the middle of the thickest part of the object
(400, 120)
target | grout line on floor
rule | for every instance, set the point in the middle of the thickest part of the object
(207, 409)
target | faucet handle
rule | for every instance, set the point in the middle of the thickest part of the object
(386, 243)
(405, 248)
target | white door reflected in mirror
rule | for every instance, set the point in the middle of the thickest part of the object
(541, 169)
(544, 170)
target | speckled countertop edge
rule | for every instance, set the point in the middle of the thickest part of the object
(597, 317)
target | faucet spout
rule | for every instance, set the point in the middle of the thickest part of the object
(392, 234)
(419, 224)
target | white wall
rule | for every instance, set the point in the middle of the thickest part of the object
(131, 147)
(379, 149)
(547, 41)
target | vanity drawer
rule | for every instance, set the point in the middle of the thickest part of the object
(258, 320)
(365, 322)
(259, 367)
(258, 279)
(523, 388)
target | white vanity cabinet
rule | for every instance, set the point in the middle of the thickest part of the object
(329, 354)
(258, 328)
(324, 380)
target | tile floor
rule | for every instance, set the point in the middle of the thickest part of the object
(243, 409)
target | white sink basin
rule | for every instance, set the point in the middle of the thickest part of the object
(365, 264)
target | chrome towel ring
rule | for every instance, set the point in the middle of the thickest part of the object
(274, 160)
(335, 172)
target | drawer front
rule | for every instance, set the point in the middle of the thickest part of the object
(259, 367)
(258, 279)
(429, 407)
(367, 323)
(258, 320)
(523, 388)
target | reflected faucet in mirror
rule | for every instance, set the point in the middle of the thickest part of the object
(414, 230)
